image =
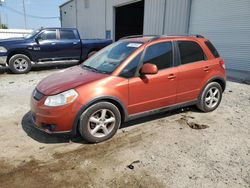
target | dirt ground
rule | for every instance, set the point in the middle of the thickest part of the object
(182, 148)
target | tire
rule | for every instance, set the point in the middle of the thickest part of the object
(91, 53)
(94, 120)
(19, 64)
(212, 92)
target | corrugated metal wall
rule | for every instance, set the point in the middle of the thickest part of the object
(177, 16)
(166, 16)
(160, 16)
(153, 17)
(91, 18)
(227, 24)
(68, 14)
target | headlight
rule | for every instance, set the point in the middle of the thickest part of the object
(3, 49)
(61, 99)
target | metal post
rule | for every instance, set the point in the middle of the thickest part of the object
(24, 14)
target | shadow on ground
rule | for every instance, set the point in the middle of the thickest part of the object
(42, 137)
(42, 67)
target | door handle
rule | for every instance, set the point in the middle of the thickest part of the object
(206, 68)
(171, 76)
(53, 43)
(75, 43)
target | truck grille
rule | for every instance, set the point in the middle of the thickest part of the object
(37, 95)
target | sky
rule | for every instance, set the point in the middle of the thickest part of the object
(12, 13)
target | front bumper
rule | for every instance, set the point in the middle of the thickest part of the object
(3, 60)
(53, 119)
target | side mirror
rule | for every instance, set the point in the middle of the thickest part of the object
(37, 40)
(149, 68)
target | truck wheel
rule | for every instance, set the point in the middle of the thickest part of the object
(210, 97)
(20, 64)
(99, 122)
(91, 53)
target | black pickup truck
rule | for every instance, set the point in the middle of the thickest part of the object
(47, 45)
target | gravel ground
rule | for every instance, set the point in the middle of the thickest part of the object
(182, 148)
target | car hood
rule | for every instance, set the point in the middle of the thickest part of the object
(12, 41)
(67, 79)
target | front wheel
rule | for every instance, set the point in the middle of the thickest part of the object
(99, 122)
(210, 97)
(20, 64)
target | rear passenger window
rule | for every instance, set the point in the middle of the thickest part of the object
(190, 52)
(212, 49)
(67, 34)
(160, 54)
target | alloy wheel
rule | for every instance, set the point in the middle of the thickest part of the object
(21, 64)
(101, 123)
(213, 97)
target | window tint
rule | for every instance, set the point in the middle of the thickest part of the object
(190, 52)
(67, 34)
(130, 69)
(160, 54)
(212, 49)
(48, 35)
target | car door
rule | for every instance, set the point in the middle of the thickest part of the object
(46, 47)
(192, 70)
(69, 44)
(149, 92)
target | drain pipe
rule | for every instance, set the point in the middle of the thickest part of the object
(164, 17)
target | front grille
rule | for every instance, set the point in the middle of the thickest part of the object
(37, 95)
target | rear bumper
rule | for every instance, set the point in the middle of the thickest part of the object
(3, 60)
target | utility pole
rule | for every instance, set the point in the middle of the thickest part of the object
(1, 4)
(24, 14)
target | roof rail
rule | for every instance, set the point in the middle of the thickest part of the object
(155, 37)
(137, 36)
(185, 35)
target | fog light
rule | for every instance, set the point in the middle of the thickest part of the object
(49, 127)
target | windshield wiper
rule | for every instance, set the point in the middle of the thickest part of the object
(91, 68)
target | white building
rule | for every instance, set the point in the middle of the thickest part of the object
(225, 22)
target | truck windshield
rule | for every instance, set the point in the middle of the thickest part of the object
(32, 34)
(108, 59)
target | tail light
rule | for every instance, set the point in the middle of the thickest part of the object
(222, 63)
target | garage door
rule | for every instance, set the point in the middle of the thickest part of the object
(227, 24)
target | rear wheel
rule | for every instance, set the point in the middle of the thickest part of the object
(99, 122)
(210, 97)
(19, 64)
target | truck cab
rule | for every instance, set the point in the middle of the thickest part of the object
(47, 45)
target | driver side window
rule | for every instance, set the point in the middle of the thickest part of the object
(160, 54)
(47, 35)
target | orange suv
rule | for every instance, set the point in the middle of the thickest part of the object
(133, 77)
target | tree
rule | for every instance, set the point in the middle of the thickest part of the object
(3, 26)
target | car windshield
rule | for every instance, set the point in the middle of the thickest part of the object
(32, 34)
(108, 59)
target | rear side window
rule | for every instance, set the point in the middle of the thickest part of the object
(130, 70)
(190, 52)
(212, 49)
(160, 54)
(67, 34)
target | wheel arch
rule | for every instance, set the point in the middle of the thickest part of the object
(113, 100)
(15, 52)
(217, 79)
